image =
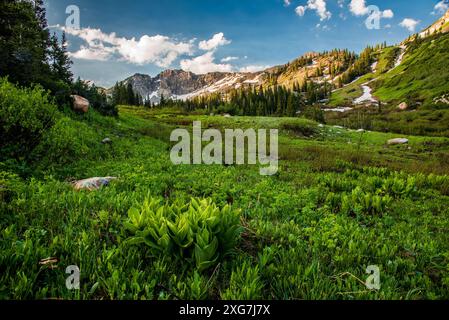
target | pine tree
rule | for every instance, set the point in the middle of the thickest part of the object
(60, 61)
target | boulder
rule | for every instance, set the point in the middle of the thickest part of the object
(403, 106)
(80, 104)
(92, 183)
(397, 141)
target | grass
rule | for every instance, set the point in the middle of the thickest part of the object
(417, 81)
(342, 200)
(385, 61)
(419, 76)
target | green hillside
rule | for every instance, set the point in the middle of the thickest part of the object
(422, 76)
(421, 81)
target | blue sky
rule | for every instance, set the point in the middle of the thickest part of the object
(117, 39)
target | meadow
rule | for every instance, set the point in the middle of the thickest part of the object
(342, 200)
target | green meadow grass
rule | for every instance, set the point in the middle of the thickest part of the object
(341, 201)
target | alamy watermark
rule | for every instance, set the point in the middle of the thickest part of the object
(373, 280)
(374, 17)
(72, 282)
(189, 150)
(73, 21)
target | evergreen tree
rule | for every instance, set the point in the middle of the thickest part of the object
(60, 61)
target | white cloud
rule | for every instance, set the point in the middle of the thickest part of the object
(300, 10)
(228, 59)
(358, 7)
(441, 7)
(409, 24)
(86, 53)
(387, 14)
(204, 64)
(253, 68)
(158, 49)
(216, 41)
(287, 3)
(317, 5)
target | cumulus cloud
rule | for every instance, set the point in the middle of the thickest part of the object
(388, 14)
(287, 3)
(88, 53)
(204, 64)
(216, 41)
(300, 10)
(228, 59)
(158, 49)
(409, 24)
(359, 8)
(316, 5)
(441, 7)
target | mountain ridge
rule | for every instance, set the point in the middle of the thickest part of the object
(322, 67)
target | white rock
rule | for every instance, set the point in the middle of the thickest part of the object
(403, 106)
(92, 183)
(397, 141)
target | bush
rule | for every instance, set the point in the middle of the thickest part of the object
(10, 184)
(66, 142)
(25, 115)
(199, 233)
(300, 128)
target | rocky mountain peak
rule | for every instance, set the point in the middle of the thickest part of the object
(441, 25)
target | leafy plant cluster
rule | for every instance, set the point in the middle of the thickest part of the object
(198, 234)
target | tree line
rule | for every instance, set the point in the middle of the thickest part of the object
(123, 94)
(31, 55)
(272, 101)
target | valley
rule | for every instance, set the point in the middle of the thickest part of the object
(113, 193)
(335, 207)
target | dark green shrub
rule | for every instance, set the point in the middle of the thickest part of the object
(66, 142)
(25, 115)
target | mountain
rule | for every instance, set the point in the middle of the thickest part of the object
(182, 85)
(441, 25)
(335, 67)
(179, 84)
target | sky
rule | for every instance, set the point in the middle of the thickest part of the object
(113, 40)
